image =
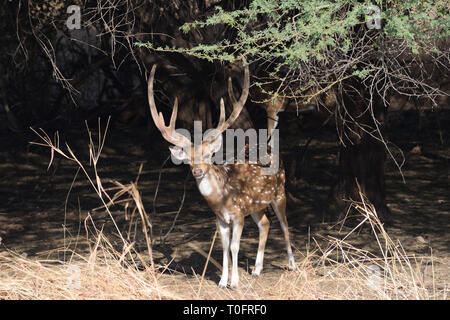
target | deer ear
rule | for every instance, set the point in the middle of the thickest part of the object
(216, 144)
(178, 153)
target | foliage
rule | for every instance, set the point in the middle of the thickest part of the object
(328, 39)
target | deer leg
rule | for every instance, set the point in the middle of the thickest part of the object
(224, 229)
(263, 225)
(279, 207)
(238, 225)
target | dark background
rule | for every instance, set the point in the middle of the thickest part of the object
(64, 81)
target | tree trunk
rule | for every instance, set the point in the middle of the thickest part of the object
(362, 155)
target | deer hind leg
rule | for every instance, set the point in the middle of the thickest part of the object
(279, 206)
(263, 223)
(238, 225)
(224, 229)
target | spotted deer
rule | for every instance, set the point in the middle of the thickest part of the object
(232, 191)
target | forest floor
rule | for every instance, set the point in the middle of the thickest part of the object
(51, 219)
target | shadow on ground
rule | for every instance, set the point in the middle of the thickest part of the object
(44, 211)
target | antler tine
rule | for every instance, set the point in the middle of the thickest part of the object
(237, 105)
(173, 118)
(151, 99)
(245, 88)
(231, 91)
(167, 132)
(222, 113)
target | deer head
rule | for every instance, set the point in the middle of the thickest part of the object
(199, 157)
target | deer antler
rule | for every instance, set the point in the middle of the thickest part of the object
(237, 105)
(167, 132)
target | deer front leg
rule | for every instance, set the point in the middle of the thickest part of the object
(263, 225)
(238, 225)
(224, 229)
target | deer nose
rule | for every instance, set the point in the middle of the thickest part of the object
(197, 172)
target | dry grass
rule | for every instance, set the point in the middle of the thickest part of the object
(339, 272)
(336, 270)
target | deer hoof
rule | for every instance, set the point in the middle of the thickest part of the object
(255, 273)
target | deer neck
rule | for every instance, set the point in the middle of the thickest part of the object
(211, 185)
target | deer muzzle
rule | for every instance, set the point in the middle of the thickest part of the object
(197, 173)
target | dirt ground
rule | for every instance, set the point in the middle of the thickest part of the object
(41, 212)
